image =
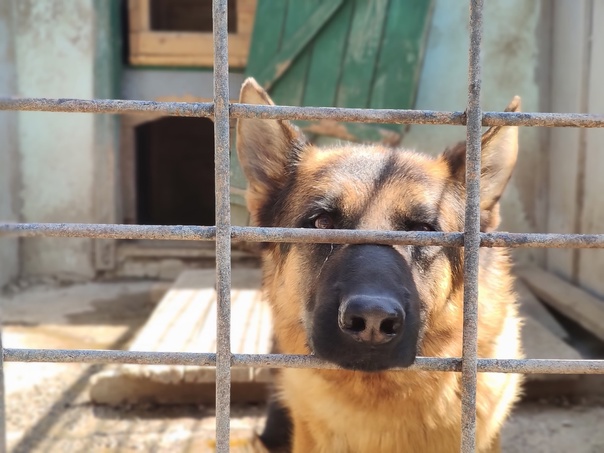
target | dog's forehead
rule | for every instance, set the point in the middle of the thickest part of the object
(368, 165)
(371, 181)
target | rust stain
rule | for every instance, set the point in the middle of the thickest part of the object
(331, 128)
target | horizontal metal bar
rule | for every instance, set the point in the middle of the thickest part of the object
(525, 366)
(262, 234)
(536, 119)
(283, 112)
(116, 106)
(108, 231)
(415, 116)
(108, 357)
(201, 109)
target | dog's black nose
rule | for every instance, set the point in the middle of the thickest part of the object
(372, 320)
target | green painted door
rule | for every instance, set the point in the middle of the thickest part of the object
(342, 53)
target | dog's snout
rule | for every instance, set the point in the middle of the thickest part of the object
(371, 320)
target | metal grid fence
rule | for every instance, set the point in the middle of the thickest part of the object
(223, 233)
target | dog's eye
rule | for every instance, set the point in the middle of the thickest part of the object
(324, 222)
(420, 226)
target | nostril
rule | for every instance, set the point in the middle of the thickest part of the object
(357, 324)
(390, 326)
(371, 320)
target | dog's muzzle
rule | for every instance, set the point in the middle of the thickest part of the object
(366, 313)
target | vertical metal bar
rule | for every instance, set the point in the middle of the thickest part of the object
(471, 236)
(223, 225)
(2, 395)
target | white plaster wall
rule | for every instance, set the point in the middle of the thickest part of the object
(511, 58)
(55, 53)
(9, 248)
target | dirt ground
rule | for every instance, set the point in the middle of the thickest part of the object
(48, 409)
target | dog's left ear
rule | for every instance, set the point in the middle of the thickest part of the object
(498, 157)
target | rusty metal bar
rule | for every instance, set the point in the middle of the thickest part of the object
(223, 224)
(109, 231)
(223, 233)
(444, 364)
(262, 234)
(114, 106)
(472, 236)
(206, 109)
(2, 393)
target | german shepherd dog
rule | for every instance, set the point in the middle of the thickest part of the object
(369, 308)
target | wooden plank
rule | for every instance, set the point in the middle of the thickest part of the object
(591, 262)
(298, 40)
(288, 88)
(148, 47)
(540, 343)
(185, 321)
(531, 307)
(569, 63)
(138, 15)
(326, 62)
(184, 44)
(266, 37)
(573, 302)
(361, 53)
(181, 61)
(246, 12)
(186, 48)
(401, 53)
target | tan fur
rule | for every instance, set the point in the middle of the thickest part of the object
(350, 411)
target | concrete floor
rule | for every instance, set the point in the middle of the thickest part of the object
(48, 409)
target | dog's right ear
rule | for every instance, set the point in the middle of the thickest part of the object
(266, 149)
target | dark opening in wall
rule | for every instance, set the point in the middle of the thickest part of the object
(175, 172)
(188, 15)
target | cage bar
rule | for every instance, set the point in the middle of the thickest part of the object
(270, 234)
(224, 233)
(282, 112)
(2, 393)
(471, 236)
(442, 364)
(223, 224)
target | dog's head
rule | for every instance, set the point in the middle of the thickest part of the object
(363, 307)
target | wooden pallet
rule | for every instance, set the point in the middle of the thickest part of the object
(185, 321)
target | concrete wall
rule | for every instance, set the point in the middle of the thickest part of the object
(57, 48)
(69, 164)
(515, 52)
(576, 160)
(9, 188)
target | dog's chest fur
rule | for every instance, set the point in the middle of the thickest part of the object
(393, 422)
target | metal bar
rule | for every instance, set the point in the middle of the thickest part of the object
(298, 235)
(109, 231)
(2, 393)
(532, 119)
(205, 109)
(471, 237)
(449, 364)
(223, 225)
(115, 106)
